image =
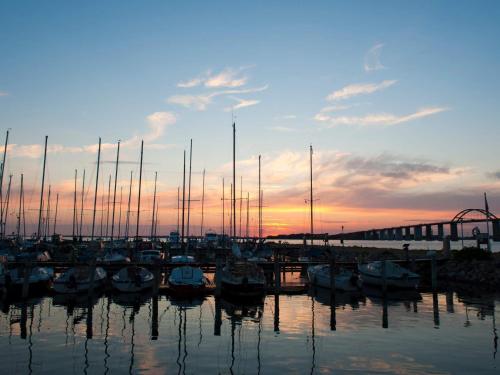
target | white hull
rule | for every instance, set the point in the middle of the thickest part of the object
(390, 282)
(133, 279)
(395, 275)
(131, 286)
(320, 276)
(65, 285)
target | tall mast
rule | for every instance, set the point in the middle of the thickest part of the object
(120, 213)
(4, 230)
(39, 231)
(189, 187)
(241, 202)
(248, 215)
(20, 208)
(202, 204)
(139, 195)
(107, 204)
(47, 229)
(183, 199)
(55, 215)
(156, 218)
(82, 203)
(231, 233)
(260, 206)
(154, 209)
(114, 191)
(223, 209)
(234, 181)
(74, 207)
(127, 221)
(178, 208)
(311, 192)
(96, 189)
(2, 169)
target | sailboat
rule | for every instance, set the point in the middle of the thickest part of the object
(186, 279)
(77, 280)
(133, 279)
(241, 278)
(319, 275)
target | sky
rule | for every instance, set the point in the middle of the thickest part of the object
(398, 99)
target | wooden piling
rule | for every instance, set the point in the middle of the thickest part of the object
(277, 273)
(26, 275)
(92, 277)
(332, 271)
(434, 272)
(218, 273)
(156, 284)
(384, 276)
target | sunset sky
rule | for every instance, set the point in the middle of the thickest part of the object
(399, 100)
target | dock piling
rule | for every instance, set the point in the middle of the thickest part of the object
(434, 272)
(277, 272)
(26, 278)
(384, 277)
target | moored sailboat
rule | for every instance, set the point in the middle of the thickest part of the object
(133, 279)
(78, 280)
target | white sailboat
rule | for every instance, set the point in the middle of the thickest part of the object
(395, 275)
(319, 275)
(133, 279)
(77, 280)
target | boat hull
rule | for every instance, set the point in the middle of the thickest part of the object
(128, 286)
(391, 282)
(342, 282)
(186, 290)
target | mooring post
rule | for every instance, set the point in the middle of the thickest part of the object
(92, 277)
(154, 320)
(434, 272)
(276, 313)
(384, 276)
(277, 273)
(332, 271)
(156, 273)
(26, 279)
(218, 273)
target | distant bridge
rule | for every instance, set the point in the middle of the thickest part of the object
(416, 231)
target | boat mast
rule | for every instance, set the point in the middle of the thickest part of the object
(4, 230)
(234, 181)
(260, 206)
(248, 215)
(231, 233)
(107, 204)
(96, 189)
(183, 199)
(114, 191)
(178, 208)
(20, 208)
(82, 202)
(127, 221)
(189, 188)
(47, 228)
(74, 207)
(154, 208)
(1, 174)
(120, 212)
(241, 201)
(39, 231)
(223, 209)
(311, 192)
(202, 204)
(139, 195)
(55, 215)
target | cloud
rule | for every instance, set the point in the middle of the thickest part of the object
(494, 175)
(378, 119)
(285, 117)
(4, 93)
(284, 129)
(242, 103)
(157, 122)
(201, 102)
(372, 58)
(228, 77)
(191, 83)
(356, 89)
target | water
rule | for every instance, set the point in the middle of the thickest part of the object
(409, 334)
(414, 245)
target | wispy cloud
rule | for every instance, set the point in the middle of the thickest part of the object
(4, 93)
(283, 129)
(494, 175)
(157, 124)
(242, 103)
(200, 102)
(357, 89)
(229, 77)
(285, 117)
(379, 119)
(372, 58)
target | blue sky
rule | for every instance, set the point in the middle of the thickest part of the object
(415, 111)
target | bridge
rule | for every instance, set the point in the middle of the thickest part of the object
(433, 230)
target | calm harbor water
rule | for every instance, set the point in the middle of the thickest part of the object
(409, 333)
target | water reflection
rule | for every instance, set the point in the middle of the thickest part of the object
(299, 334)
